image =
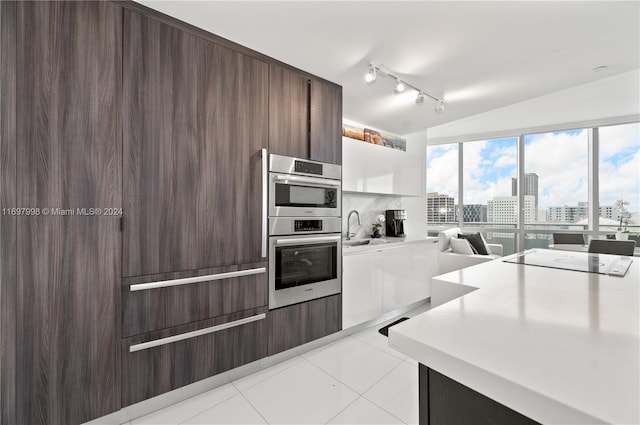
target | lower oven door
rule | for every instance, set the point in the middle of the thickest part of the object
(303, 268)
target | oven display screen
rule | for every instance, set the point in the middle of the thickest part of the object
(289, 195)
(303, 264)
(308, 167)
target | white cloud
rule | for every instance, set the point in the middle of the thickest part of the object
(442, 169)
(561, 163)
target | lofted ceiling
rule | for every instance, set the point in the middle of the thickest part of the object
(477, 55)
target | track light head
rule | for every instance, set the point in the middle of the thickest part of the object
(370, 77)
(420, 98)
(440, 106)
(399, 88)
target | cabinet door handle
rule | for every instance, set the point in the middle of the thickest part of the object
(265, 206)
(311, 180)
(196, 279)
(193, 334)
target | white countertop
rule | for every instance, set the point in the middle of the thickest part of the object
(386, 243)
(558, 346)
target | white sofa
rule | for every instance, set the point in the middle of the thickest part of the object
(450, 261)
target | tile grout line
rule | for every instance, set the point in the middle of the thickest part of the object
(347, 385)
(268, 377)
(376, 404)
(212, 406)
(380, 349)
(250, 404)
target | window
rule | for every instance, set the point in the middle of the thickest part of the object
(556, 193)
(488, 171)
(619, 178)
(442, 184)
(556, 186)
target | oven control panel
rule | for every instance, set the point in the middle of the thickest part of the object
(308, 167)
(307, 225)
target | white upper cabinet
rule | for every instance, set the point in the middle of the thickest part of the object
(370, 168)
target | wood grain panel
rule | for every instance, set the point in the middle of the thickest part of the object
(154, 371)
(452, 403)
(68, 157)
(288, 112)
(326, 122)
(7, 222)
(300, 323)
(195, 121)
(160, 308)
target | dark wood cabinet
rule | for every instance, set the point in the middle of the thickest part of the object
(67, 157)
(443, 401)
(209, 347)
(305, 116)
(8, 178)
(301, 323)
(288, 112)
(326, 122)
(156, 308)
(195, 121)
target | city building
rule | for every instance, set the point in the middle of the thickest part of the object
(530, 188)
(441, 208)
(504, 209)
(575, 213)
(474, 213)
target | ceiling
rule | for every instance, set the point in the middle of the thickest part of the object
(477, 55)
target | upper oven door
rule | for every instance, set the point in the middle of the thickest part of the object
(302, 196)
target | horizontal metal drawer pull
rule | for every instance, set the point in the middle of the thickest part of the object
(193, 334)
(187, 280)
(307, 240)
(312, 180)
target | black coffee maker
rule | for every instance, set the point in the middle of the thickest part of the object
(394, 222)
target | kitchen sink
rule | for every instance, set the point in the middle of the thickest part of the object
(368, 241)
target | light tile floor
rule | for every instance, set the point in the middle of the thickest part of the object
(355, 380)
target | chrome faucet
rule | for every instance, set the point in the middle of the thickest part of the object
(349, 219)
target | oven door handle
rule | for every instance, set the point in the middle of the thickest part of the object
(311, 180)
(298, 241)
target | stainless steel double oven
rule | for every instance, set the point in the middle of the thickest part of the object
(305, 251)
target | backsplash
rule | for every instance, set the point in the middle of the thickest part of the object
(369, 207)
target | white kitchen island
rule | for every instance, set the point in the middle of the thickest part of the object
(557, 346)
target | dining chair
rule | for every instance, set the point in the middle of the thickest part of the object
(607, 246)
(568, 238)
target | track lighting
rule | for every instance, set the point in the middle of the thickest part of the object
(399, 88)
(400, 85)
(370, 77)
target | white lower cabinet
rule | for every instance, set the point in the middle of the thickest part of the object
(378, 281)
(361, 288)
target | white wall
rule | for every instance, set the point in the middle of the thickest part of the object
(610, 100)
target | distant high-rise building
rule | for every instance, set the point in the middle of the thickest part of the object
(440, 208)
(530, 188)
(574, 213)
(474, 213)
(504, 209)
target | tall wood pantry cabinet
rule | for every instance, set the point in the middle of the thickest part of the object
(60, 150)
(195, 124)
